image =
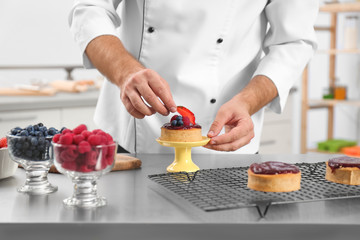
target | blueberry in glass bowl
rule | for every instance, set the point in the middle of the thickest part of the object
(31, 148)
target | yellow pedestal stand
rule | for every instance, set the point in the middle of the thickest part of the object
(183, 161)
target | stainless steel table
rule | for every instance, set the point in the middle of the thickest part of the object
(141, 209)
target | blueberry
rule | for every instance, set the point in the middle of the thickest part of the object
(34, 141)
(42, 129)
(45, 133)
(62, 129)
(24, 133)
(173, 123)
(52, 131)
(26, 145)
(179, 117)
(15, 130)
(28, 153)
(30, 128)
(32, 133)
(36, 128)
(41, 140)
(40, 124)
(39, 134)
(18, 145)
(41, 147)
(180, 123)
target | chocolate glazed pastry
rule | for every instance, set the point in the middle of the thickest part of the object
(344, 170)
(274, 176)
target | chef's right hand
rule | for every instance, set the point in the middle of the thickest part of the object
(148, 85)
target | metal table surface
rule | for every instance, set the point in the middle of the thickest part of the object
(139, 208)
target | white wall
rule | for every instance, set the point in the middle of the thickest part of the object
(36, 32)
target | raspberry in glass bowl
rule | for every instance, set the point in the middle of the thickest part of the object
(84, 156)
(31, 148)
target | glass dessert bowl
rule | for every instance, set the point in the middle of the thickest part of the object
(84, 165)
(34, 154)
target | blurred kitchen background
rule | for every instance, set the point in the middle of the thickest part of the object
(37, 48)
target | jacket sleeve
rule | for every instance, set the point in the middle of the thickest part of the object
(289, 44)
(89, 19)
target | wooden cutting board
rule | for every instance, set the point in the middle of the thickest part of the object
(122, 162)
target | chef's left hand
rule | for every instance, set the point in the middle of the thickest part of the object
(239, 128)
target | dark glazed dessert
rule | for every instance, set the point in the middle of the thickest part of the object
(274, 176)
(273, 167)
(181, 128)
(344, 170)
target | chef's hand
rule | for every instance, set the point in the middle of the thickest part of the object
(137, 84)
(239, 128)
(235, 114)
(146, 85)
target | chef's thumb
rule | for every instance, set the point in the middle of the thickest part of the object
(216, 126)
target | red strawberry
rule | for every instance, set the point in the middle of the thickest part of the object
(3, 142)
(186, 113)
(79, 129)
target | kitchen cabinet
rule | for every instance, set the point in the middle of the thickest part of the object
(11, 119)
(329, 104)
(62, 110)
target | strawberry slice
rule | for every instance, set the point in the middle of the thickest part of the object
(186, 113)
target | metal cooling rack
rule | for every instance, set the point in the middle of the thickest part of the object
(226, 188)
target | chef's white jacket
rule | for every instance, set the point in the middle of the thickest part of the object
(207, 50)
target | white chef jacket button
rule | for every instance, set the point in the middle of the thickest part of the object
(213, 100)
(220, 40)
(151, 29)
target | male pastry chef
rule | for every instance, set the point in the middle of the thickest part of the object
(225, 60)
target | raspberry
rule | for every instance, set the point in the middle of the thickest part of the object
(186, 121)
(79, 129)
(109, 138)
(56, 138)
(95, 131)
(173, 118)
(69, 166)
(66, 130)
(86, 134)
(78, 138)
(66, 139)
(91, 158)
(94, 140)
(84, 168)
(84, 147)
(3, 142)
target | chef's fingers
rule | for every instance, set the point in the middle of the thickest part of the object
(219, 122)
(150, 97)
(131, 110)
(137, 102)
(231, 146)
(162, 90)
(244, 128)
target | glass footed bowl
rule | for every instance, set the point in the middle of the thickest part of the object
(35, 155)
(84, 166)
